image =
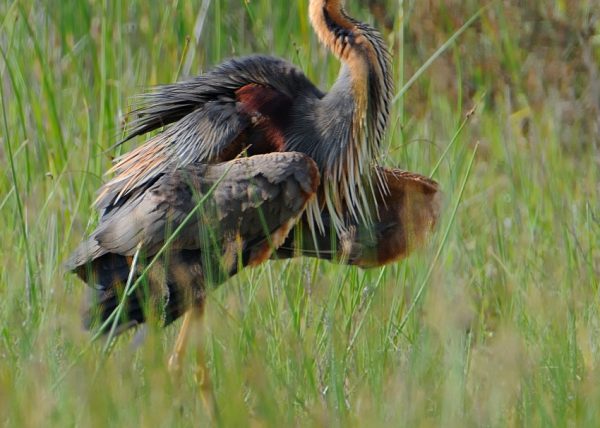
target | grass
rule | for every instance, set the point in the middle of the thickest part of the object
(495, 323)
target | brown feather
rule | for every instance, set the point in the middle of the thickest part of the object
(407, 212)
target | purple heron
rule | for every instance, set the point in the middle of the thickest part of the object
(274, 149)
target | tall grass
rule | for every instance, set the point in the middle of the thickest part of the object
(495, 323)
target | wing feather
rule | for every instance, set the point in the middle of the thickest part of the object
(210, 118)
(253, 199)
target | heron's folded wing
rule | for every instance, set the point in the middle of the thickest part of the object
(247, 205)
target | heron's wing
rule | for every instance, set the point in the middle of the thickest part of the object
(240, 105)
(170, 103)
(403, 218)
(248, 207)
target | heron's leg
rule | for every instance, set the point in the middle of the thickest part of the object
(181, 343)
(190, 328)
(202, 372)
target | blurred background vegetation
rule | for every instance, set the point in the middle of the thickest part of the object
(502, 328)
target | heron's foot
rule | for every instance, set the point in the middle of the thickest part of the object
(202, 377)
(205, 389)
(174, 365)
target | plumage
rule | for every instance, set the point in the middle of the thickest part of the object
(260, 104)
(250, 206)
(406, 214)
(264, 150)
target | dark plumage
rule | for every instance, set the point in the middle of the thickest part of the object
(254, 203)
(260, 104)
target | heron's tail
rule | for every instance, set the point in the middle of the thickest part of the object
(118, 295)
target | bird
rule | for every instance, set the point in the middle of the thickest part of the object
(252, 205)
(251, 142)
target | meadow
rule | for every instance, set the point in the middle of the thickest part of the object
(495, 322)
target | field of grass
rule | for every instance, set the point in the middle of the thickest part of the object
(495, 323)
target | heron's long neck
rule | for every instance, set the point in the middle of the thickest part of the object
(359, 99)
(339, 33)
